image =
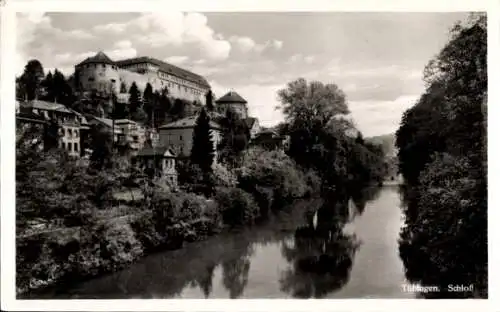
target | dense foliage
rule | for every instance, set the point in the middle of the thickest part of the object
(321, 136)
(442, 156)
(202, 152)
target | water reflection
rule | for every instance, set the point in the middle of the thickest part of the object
(321, 256)
(286, 256)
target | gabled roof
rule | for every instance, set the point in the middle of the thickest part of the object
(43, 105)
(124, 121)
(100, 58)
(188, 122)
(30, 117)
(156, 151)
(167, 68)
(108, 123)
(231, 97)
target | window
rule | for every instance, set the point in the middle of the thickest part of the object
(63, 145)
(91, 78)
(70, 133)
(180, 137)
(75, 147)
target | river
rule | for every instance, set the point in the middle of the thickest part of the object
(352, 254)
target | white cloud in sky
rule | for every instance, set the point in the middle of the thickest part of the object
(177, 59)
(380, 117)
(247, 44)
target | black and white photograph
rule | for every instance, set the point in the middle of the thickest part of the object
(250, 155)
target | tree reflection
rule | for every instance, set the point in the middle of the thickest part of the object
(204, 280)
(235, 271)
(362, 196)
(321, 257)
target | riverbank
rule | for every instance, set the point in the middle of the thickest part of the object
(267, 261)
(300, 206)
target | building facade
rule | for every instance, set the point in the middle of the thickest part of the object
(70, 122)
(159, 163)
(105, 75)
(178, 135)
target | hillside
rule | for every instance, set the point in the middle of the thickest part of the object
(387, 141)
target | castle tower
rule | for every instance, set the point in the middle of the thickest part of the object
(98, 73)
(234, 101)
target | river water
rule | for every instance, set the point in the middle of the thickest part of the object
(347, 252)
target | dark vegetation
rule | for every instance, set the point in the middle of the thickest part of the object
(442, 157)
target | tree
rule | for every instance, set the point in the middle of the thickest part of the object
(209, 101)
(442, 155)
(202, 152)
(57, 89)
(235, 137)
(149, 102)
(123, 87)
(31, 79)
(310, 108)
(102, 146)
(135, 98)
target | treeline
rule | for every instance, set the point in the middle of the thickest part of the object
(148, 107)
(442, 157)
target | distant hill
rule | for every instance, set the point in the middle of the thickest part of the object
(387, 141)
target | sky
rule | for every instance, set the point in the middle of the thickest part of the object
(377, 59)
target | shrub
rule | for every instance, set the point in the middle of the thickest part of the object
(118, 246)
(237, 206)
(223, 176)
(275, 170)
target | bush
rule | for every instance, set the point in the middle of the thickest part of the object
(274, 170)
(237, 206)
(223, 176)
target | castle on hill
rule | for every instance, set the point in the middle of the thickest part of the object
(104, 75)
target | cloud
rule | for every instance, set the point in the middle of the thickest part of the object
(177, 59)
(111, 28)
(178, 29)
(380, 117)
(246, 44)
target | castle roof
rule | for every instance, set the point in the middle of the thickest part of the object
(231, 97)
(100, 58)
(188, 122)
(167, 68)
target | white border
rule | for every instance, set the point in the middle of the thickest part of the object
(8, 164)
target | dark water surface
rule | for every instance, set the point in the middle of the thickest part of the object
(352, 252)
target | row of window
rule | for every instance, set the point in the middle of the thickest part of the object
(96, 65)
(70, 133)
(71, 147)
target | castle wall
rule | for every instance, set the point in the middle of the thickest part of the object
(100, 77)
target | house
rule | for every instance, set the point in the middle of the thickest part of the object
(270, 139)
(178, 135)
(133, 133)
(107, 124)
(71, 123)
(158, 162)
